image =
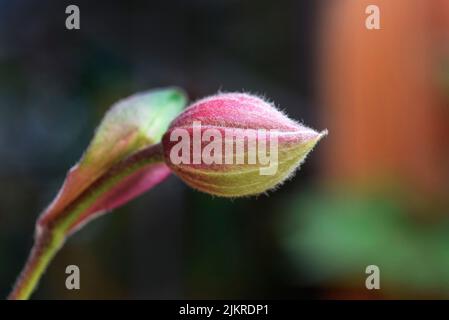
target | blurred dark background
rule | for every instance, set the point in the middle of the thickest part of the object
(373, 192)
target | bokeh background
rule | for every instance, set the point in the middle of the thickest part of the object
(375, 191)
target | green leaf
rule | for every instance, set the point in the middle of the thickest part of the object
(131, 124)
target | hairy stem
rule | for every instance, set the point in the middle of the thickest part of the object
(50, 237)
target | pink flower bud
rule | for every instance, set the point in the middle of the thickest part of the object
(235, 144)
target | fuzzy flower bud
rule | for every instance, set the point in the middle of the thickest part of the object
(235, 144)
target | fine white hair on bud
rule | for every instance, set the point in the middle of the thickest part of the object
(236, 144)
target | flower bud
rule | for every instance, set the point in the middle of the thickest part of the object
(235, 144)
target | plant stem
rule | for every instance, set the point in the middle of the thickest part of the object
(46, 244)
(50, 237)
